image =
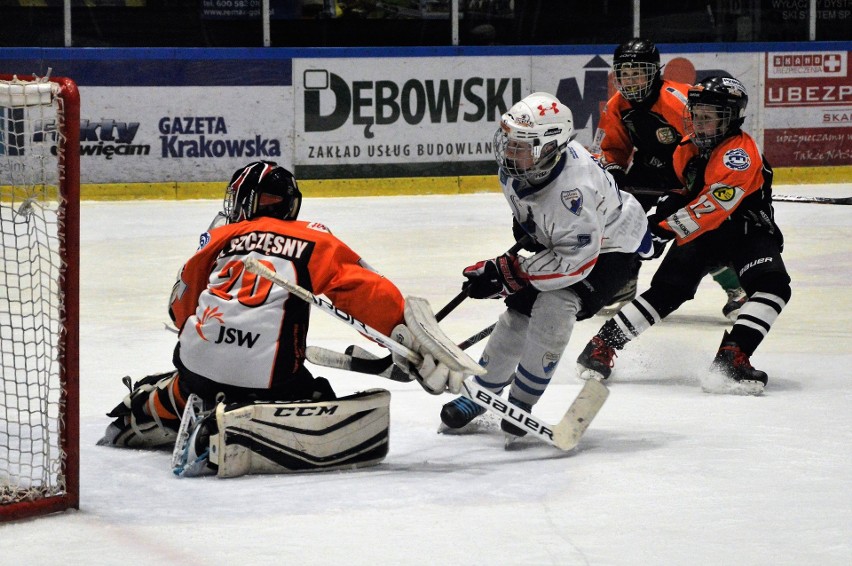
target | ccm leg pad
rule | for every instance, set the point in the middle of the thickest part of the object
(276, 438)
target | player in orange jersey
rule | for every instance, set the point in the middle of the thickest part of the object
(243, 338)
(725, 215)
(639, 129)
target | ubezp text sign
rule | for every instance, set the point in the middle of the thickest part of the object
(808, 109)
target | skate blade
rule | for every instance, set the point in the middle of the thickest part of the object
(512, 442)
(585, 374)
(720, 385)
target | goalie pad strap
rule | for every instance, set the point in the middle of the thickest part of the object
(275, 438)
(421, 321)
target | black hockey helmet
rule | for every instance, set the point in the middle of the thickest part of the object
(262, 188)
(715, 109)
(640, 55)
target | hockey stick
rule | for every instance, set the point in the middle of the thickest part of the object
(564, 435)
(382, 366)
(779, 198)
(812, 200)
(357, 357)
(259, 269)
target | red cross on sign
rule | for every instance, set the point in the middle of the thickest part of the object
(543, 109)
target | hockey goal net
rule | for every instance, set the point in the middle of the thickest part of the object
(39, 258)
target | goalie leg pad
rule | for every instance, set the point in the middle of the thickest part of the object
(276, 438)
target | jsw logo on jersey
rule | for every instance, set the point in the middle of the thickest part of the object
(382, 103)
(236, 336)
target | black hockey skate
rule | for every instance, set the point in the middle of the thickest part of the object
(596, 360)
(460, 412)
(733, 364)
(507, 426)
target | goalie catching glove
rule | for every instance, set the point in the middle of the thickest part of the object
(493, 278)
(444, 366)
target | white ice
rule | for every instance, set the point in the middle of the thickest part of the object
(666, 474)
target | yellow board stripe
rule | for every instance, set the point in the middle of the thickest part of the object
(396, 186)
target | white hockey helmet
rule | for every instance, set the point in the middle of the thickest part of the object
(532, 136)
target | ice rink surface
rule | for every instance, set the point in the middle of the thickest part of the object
(666, 474)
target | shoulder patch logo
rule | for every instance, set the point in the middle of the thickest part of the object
(724, 194)
(736, 159)
(573, 201)
(203, 240)
(667, 136)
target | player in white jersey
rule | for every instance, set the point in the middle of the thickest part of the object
(589, 237)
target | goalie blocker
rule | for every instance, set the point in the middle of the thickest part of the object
(274, 438)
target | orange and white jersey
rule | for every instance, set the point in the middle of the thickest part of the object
(653, 131)
(239, 329)
(734, 171)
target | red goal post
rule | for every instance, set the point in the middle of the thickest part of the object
(39, 295)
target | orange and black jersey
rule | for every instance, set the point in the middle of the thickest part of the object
(736, 185)
(654, 130)
(239, 329)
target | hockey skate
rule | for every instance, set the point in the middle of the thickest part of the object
(732, 365)
(736, 298)
(624, 296)
(191, 454)
(596, 360)
(133, 427)
(459, 413)
(511, 431)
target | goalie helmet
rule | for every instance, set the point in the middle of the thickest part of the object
(715, 109)
(637, 69)
(532, 136)
(262, 188)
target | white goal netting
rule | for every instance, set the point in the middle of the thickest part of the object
(32, 312)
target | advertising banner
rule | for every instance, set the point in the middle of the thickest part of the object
(163, 134)
(399, 117)
(808, 108)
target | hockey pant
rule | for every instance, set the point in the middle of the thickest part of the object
(757, 260)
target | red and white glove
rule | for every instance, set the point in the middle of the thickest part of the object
(493, 278)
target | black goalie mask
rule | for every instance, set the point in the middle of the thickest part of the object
(262, 188)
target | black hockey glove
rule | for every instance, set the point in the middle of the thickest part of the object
(660, 236)
(493, 278)
(669, 203)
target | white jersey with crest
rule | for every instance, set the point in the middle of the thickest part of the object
(577, 215)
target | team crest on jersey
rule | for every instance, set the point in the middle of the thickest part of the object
(573, 201)
(724, 194)
(666, 136)
(736, 159)
(318, 227)
(203, 240)
(549, 362)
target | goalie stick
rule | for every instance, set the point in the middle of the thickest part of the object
(356, 358)
(384, 366)
(564, 435)
(259, 269)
